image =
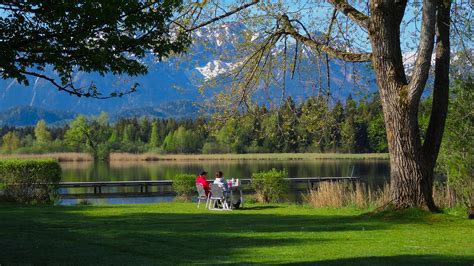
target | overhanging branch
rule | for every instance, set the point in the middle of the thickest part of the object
(425, 49)
(289, 29)
(91, 91)
(226, 14)
(354, 14)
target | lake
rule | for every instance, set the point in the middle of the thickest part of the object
(374, 172)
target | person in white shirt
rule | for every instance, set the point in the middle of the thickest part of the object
(220, 181)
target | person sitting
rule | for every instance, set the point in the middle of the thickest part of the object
(202, 180)
(220, 181)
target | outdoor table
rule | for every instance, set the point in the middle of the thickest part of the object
(235, 198)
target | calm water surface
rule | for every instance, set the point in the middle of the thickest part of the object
(373, 172)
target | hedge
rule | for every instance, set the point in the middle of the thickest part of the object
(270, 186)
(184, 185)
(29, 181)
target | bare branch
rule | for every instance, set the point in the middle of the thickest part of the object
(227, 14)
(354, 14)
(328, 35)
(346, 56)
(425, 50)
(439, 106)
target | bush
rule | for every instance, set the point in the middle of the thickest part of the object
(184, 185)
(270, 186)
(30, 181)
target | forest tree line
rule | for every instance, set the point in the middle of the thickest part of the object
(355, 126)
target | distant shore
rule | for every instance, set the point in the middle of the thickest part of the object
(83, 157)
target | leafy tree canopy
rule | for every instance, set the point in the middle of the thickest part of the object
(85, 35)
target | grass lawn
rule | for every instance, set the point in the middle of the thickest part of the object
(179, 233)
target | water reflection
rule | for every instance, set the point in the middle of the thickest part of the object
(115, 200)
(374, 172)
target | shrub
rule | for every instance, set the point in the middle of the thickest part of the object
(184, 185)
(30, 181)
(270, 186)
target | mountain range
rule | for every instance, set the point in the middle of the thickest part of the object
(171, 88)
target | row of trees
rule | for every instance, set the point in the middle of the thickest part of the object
(312, 126)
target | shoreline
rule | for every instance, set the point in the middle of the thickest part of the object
(150, 157)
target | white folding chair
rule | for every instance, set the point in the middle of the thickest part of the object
(202, 195)
(217, 195)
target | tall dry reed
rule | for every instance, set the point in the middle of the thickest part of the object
(445, 196)
(344, 194)
(60, 156)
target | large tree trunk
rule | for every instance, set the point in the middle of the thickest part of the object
(412, 162)
(411, 169)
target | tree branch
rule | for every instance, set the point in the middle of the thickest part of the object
(90, 93)
(434, 133)
(354, 14)
(227, 14)
(289, 29)
(425, 50)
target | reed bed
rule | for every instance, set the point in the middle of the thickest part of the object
(346, 194)
(144, 157)
(250, 156)
(60, 156)
(445, 196)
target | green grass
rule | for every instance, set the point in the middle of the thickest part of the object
(178, 233)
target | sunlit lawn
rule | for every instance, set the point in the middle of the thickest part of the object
(179, 233)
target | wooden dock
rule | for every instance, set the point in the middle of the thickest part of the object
(145, 186)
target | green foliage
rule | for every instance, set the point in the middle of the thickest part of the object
(376, 134)
(315, 125)
(11, 142)
(75, 136)
(270, 186)
(456, 159)
(184, 185)
(227, 135)
(289, 124)
(42, 135)
(348, 135)
(91, 136)
(182, 140)
(154, 137)
(30, 181)
(64, 35)
(211, 148)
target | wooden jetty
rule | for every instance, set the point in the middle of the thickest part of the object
(145, 186)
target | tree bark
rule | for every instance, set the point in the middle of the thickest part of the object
(439, 109)
(411, 165)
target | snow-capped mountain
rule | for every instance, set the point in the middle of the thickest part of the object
(178, 79)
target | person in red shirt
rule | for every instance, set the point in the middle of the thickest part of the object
(202, 180)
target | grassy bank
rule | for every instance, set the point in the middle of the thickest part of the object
(178, 233)
(189, 157)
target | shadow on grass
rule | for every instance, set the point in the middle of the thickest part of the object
(429, 260)
(265, 207)
(130, 235)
